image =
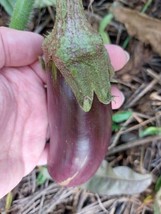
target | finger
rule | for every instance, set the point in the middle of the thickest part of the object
(44, 156)
(118, 98)
(19, 48)
(41, 73)
(118, 56)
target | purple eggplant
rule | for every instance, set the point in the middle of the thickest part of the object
(78, 139)
(78, 87)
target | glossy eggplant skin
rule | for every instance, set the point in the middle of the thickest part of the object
(78, 139)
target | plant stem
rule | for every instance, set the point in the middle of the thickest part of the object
(70, 10)
(78, 52)
(146, 6)
(21, 14)
(102, 28)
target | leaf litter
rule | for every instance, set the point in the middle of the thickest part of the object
(48, 197)
(117, 181)
(139, 25)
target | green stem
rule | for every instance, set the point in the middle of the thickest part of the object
(79, 54)
(21, 14)
(102, 28)
(146, 6)
(70, 10)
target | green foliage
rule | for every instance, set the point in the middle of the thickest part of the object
(146, 6)
(126, 42)
(117, 181)
(102, 27)
(44, 3)
(9, 4)
(150, 131)
(157, 203)
(158, 184)
(21, 14)
(121, 116)
(115, 127)
(43, 175)
(9, 199)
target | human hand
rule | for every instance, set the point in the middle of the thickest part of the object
(23, 107)
(23, 112)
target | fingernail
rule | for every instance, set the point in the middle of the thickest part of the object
(127, 56)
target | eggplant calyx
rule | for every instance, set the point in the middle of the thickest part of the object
(79, 54)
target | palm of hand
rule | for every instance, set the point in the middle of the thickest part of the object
(23, 134)
(23, 113)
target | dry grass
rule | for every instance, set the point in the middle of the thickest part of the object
(140, 81)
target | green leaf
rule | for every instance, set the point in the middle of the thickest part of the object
(115, 127)
(44, 3)
(43, 175)
(117, 181)
(9, 199)
(146, 6)
(121, 116)
(150, 131)
(157, 203)
(103, 24)
(158, 184)
(21, 14)
(8, 5)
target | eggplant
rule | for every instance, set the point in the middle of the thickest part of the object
(78, 87)
(78, 139)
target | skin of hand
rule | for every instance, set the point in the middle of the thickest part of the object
(23, 105)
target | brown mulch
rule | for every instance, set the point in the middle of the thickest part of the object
(141, 83)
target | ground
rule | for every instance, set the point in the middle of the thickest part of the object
(140, 81)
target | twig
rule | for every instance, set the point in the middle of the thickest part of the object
(63, 196)
(151, 73)
(51, 14)
(147, 88)
(42, 26)
(41, 203)
(101, 204)
(39, 194)
(115, 140)
(141, 124)
(129, 85)
(141, 115)
(138, 91)
(82, 199)
(130, 145)
(124, 130)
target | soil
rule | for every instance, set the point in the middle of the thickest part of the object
(140, 82)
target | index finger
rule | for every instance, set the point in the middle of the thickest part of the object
(19, 48)
(118, 56)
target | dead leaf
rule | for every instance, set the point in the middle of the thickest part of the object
(117, 181)
(139, 25)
